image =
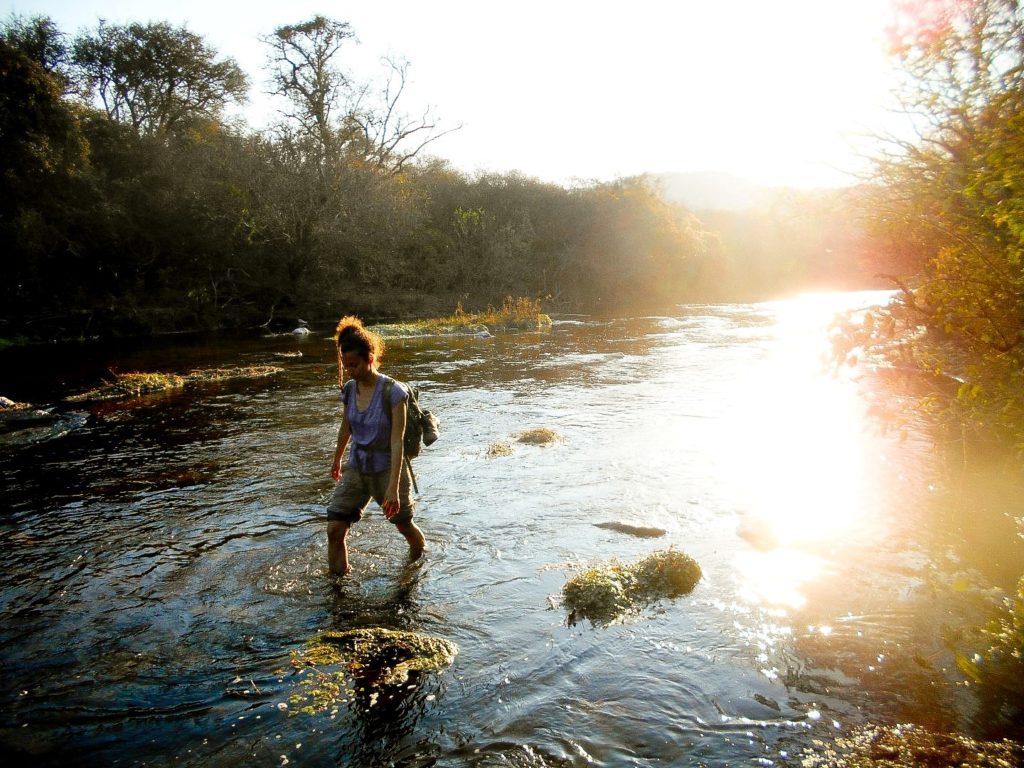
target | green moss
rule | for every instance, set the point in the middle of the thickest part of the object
(668, 573)
(370, 659)
(908, 746)
(605, 594)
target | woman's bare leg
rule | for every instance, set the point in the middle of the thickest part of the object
(337, 547)
(413, 535)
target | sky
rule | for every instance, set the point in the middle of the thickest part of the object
(778, 92)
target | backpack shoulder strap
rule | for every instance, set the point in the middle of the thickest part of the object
(385, 396)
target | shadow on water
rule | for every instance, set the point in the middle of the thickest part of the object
(164, 559)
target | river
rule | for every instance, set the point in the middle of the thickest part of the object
(163, 557)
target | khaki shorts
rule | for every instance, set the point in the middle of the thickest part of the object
(354, 491)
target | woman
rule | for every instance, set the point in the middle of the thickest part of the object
(375, 468)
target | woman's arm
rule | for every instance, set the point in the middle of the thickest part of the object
(344, 433)
(398, 414)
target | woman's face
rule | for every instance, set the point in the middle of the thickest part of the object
(355, 365)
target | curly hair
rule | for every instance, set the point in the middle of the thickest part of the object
(352, 336)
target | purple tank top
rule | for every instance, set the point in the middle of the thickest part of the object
(371, 429)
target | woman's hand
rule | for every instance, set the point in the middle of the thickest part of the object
(336, 468)
(391, 505)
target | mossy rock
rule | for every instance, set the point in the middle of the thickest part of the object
(132, 385)
(605, 594)
(495, 450)
(640, 531)
(539, 436)
(909, 746)
(669, 573)
(368, 660)
(137, 384)
(600, 594)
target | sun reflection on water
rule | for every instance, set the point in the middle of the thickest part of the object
(797, 446)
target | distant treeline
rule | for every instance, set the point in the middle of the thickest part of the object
(129, 203)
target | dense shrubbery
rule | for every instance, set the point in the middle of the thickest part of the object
(129, 206)
(952, 197)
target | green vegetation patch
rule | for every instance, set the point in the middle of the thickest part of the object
(519, 314)
(908, 746)
(137, 384)
(605, 594)
(223, 374)
(131, 385)
(360, 662)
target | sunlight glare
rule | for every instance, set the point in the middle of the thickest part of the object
(796, 446)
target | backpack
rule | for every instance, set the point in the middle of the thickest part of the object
(421, 426)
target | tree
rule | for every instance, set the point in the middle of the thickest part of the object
(40, 40)
(954, 191)
(44, 157)
(155, 77)
(377, 130)
(306, 72)
(342, 117)
(956, 187)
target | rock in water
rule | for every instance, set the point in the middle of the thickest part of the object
(633, 530)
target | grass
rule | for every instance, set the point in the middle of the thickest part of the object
(519, 314)
(136, 384)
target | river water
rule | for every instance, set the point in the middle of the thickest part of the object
(164, 556)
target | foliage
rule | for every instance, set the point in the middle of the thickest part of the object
(155, 77)
(953, 194)
(305, 71)
(998, 665)
(130, 206)
(604, 594)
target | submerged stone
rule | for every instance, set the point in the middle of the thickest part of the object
(643, 531)
(605, 594)
(365, 661)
